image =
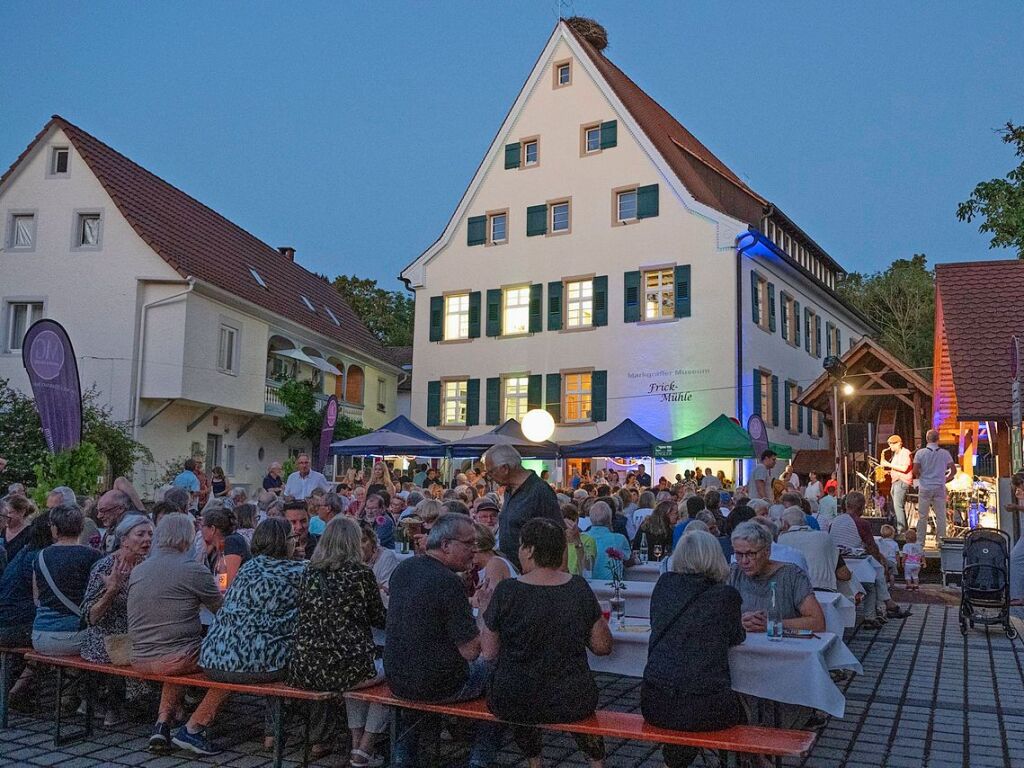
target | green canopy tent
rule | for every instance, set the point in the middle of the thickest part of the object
(722, 439)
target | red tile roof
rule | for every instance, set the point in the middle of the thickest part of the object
(706, 177)
(197, 241)
(980, 313)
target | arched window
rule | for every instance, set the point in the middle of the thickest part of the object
(339, 384)
(354, 385)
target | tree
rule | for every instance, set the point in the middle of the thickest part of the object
(901, 301)
(304, 417)
(1000, 202)
(388, 314)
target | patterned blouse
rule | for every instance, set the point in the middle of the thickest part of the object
(333, 640)
(253, 631)
(113, 622)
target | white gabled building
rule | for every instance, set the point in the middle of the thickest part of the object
(604, 264)
(185, 322)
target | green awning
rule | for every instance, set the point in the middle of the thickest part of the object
(722, 439)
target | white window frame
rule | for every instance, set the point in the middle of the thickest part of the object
(460, 312)
(583, 390)
(519, 306)
(307, 302)
(596, 129)
(258, 278)
(789, 310)
(814, 345)
(566, 67)
(77, 229)
(662, 289)
(568, 217)
(334, 317)
(618, 205)
(527, 163)
(454, 392)
(12, 231)
(232, 331)
(521, 396)
(491, 218)
(51, 162)
(36, 311)
(382, 395)
(228, 457)
(766, 398)
(581, 304)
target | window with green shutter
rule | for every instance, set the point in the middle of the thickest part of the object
(609, 134)
(555, 305)
(771, 307)
(436, 318)
(476, 231)
(785, 316)
(600, 300)
(512, 156)
(682, 293)
(433, 403)
(755, 298)
(494, 312)
(474, 315)
(817, 336)
(631, 297)
(787, 414)
(775, 401)
(647, 201)
(536, 307)
(493, 408)
(809, 328)
(799, 412)
(553, 396)
(599, 396)
(756, 401)
(828, 339)
(537, 220)
(533, 391)
(796, 323)
(472, 402)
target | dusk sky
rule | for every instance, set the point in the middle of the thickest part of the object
(350, 130)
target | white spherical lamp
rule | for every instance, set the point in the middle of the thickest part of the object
(538, 425)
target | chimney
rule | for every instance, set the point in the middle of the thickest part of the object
(287, 251)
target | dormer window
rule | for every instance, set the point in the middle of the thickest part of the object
(257, 277)
(333, 317)
(59, 159)
(308, 303)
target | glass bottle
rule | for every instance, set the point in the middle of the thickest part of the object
(220, 570)
(774, 623)
(643, 547)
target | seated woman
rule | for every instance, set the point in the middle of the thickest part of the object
(581, 551)
(381, 561)
(539, 627)
(245, 518)
(60, 574)
(15, 516)
(106, 607)
(657, 529)
(339, 605)
(695, 619)
(489, 565)
(222, 542)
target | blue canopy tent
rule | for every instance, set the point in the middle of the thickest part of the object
(509, 433)
(399, 437)
(626, 439)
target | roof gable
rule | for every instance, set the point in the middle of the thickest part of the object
(197, 241)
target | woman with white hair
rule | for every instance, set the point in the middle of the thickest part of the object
(695, 619)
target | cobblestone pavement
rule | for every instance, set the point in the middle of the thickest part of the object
(927, 699)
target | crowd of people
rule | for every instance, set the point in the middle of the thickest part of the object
(480, 587)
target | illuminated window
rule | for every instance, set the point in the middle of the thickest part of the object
(577, 403)
(456, 316)
(455, 398)
(659, 294)
(766, 397)
(514, 398)
(516, 310)
(579, 304)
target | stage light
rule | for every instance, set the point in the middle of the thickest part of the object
(848, 389)
(538, 425)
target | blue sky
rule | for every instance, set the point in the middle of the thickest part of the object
(350, 130)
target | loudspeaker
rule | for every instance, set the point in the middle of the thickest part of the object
(855, 438)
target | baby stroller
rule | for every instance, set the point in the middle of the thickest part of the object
(986, 580)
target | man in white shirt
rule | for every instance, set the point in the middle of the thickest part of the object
(817, 547)
(709, 481)
(302, 482)
(828, 507)
(761, 477)
(934, 467)
(813, 490)
(900, 466)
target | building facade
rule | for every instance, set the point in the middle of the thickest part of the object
(604, 264)
(184, 323)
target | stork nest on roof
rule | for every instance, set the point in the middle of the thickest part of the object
(590, 31)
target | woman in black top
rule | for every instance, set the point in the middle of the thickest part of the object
(657, 529)
(695, 619)
(222, 542)
(539, 627)
(219, 483)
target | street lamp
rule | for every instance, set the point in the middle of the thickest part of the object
(538, 425)
(848, 389)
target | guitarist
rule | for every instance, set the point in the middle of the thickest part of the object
(900, 466)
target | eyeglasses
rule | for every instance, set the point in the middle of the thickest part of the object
(748, 555)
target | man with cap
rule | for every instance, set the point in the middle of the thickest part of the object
(900, 465)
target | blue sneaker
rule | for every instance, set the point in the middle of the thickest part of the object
(197, 742)
(160, 741)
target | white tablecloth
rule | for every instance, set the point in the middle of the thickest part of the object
(791, 671)
(864, 568)
(646, 572)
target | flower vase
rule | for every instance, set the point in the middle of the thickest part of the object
(618, 605)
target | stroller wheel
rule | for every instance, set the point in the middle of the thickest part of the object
(1011, 633)
(963, 627)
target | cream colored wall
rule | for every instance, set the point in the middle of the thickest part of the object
(694, 354)
(92, 293)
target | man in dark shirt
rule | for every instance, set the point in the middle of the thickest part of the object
(273, 481)
(526, 496)
(432, 651)
(297, 515)
(642, 478)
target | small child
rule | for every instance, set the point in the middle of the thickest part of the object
(890, 551)
(913, 557)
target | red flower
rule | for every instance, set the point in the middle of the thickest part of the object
(614, 554)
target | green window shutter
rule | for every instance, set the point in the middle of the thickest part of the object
(494, 312)
(771, 307)
(839, 341)
(474, 315)
(631, 297)
(787, 418)
(796, 323)
(775, 401)
(536, 220)
(433, 403)
(555, 305)
(808, 329)
(533, 393)
(757, 393)
(601, 300)
(647, 201)
(810, 422)
(609, 134)
(785, 319)
(599, 396)
(828, 339)
(817, 336)
(799, 412)
(755, 299)
(472, 402)
(436, 318)
(536, 308)
(511, 156)
(683, 290)
(553, 396)
(476, 232)
(493, 411)
(821, 425)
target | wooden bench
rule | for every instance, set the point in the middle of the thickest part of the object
(738, 739)
(276, 692)
(7, 656)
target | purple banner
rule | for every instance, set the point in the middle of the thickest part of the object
(758, 435)
(49, 358)
(327, 431)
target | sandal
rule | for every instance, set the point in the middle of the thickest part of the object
(899, 613)
(360, 759)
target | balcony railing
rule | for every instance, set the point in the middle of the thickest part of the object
(272, 404)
